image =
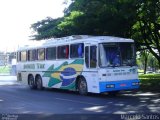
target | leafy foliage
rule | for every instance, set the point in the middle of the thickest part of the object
(137, 19)
(46, 28)
(147, 26)
(92, 17)
(70, 23)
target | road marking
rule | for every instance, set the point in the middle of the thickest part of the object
(77, 101)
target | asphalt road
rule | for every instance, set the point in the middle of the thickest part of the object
(19, 99)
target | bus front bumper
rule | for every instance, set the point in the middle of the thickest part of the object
(119, 85)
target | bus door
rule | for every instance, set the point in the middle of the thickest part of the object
(91, 71)
(91, 57)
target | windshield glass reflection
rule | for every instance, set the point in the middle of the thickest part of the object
(117, 54)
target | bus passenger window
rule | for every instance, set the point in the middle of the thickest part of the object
(80, 50)
(18, 56)
(32, 55)
(23, 56)
(41, 54)
(63, 52)
(51, 53)
(93, 56)
(77, 50)
(87, 56)
(67, 52)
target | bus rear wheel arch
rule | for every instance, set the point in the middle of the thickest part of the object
(81, 85)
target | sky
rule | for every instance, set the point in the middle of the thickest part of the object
(16, 17)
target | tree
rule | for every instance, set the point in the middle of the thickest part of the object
(144, 59)
(152, 62)
(102, 17)
(46, 28)
(92, 17)
(146, 30)
(137, 19)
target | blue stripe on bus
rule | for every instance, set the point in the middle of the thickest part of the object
(118, 85)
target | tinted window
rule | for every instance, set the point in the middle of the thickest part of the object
(93, 56)
(41, 54)
(51, 53)
(87, 56)
(18, 56)
(77, 50)
(23, 56)
(63, 52)
(32, 55)
(128, 54)
(117, 54)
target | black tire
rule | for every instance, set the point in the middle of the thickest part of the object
(31, 82)
(82, 86)
(39, 83)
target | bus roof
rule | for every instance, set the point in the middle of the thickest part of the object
(74, 39)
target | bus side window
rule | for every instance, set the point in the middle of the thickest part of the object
(67, 52)
(18, 56)
(63, 52)
(93, 56)
(23, 55)
(58, 52)
(80, 50)
(41, 54)
(32, 55)
(51, 53)
(76, 50)
(87, 56)
(35, 56)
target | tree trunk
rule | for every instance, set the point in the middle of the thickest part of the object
(159, 63)
(145, 64)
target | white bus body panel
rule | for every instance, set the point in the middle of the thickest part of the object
(54, 72)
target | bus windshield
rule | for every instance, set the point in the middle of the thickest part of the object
(117, 54)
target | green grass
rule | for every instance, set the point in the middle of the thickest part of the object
(4, 69)
(150, 82)
(140, 71)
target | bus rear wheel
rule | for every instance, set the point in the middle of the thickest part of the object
(31, 82)
(39, 83)
(82, 86)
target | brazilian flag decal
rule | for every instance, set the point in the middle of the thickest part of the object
(65, 74)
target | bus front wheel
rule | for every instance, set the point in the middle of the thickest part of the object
(82, 86)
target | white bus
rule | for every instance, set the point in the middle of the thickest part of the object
(95, 64)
